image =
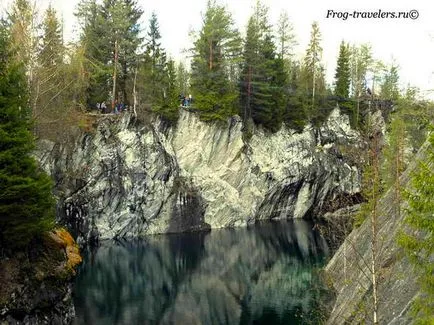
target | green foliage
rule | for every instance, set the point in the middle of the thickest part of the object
(360, 63)
(214, 56)
(295, 113)
(313, 73)
(168, 107)
(23, 40)
(285, 36)
(154, 65)
(417, 114)
(263, 77)
(418, 238)
(371, 177)
(94, 41)
(394, 164)
(182, 79)
(343, 73)
(26, 202)
(51, 49)
(105, 25)
(49, 87)
(390, 85)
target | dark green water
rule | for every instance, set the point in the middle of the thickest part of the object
(261, 275)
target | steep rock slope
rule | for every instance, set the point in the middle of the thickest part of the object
(128, 178)
(349, 269)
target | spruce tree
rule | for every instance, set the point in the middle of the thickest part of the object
(169, 107)
(390, 85)
(263, 77)
(94, 41)
(182, 79)
(155, 65)
(26, 202)
(343, 73)
(50, 88)
(214, 93)
(51, 49)
(295, 113)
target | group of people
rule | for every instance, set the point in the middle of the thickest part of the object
(185, 101)
(119, 107)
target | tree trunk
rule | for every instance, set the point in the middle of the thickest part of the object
(135, 93)
(313, 87)
(210, 55)
(375, 185)
(114, 75)
(249, 96)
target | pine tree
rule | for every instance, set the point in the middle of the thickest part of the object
(390, 85)
(371, 191)
(343, 73)
(215, 94)
(285, 36)
(94, 41)
(314, 73)
(394, 163)
(263, 77)
(377, 69)
(111, 40)
(182, 79)
(26, 202)
(360, 63)
(121, 18)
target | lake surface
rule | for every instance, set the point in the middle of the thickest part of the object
(266, 274)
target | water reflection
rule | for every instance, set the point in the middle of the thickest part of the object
(260, 275)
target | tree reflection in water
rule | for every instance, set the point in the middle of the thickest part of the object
(260, 275)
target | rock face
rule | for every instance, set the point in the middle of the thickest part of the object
(349, 269)
(127, 178)
(35, 286)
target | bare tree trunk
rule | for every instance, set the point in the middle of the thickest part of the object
(135, 93)
(313, 87)
(32, 61)
(375, 184)
(249, 95)
(399, 161)
(114, 75)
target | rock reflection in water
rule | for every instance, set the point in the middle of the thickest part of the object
(260, 275)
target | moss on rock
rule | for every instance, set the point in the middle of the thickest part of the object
(35, 284)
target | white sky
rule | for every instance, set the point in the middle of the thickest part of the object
(409, 42)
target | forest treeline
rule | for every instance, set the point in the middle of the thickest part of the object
(256, 75)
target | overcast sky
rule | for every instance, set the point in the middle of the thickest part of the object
(409, 42)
